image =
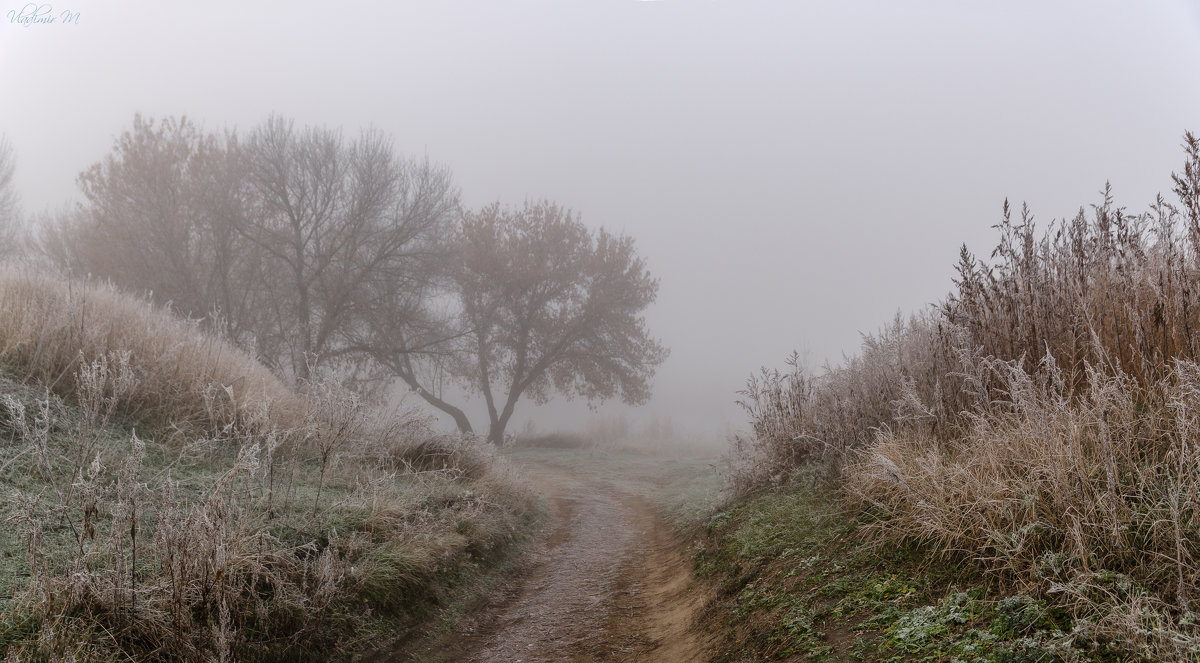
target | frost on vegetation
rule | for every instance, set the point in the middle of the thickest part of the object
(1039, 423)
(192, 546)
(919, 626)
(257, 526)
(33, 435)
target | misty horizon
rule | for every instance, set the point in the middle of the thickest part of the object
(792, 175)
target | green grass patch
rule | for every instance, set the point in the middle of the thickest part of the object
(795, 580)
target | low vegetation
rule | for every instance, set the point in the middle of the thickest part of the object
(1037, 428)
(167, 498)
(794, 580)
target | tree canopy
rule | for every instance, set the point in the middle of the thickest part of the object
(316, 251)
(552, 307)
(281, 241)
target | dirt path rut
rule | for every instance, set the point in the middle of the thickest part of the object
(604, 583)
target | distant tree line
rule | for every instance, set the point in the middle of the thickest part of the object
(326, 253)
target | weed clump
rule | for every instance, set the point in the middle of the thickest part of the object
(1041, 421)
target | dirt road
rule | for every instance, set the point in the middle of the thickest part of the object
(605, 582)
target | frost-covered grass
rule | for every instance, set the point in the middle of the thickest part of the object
(1039, 424)
(795, 581)
(165, 498)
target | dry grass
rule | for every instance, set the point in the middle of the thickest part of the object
(50, 328)
(168, 499)
(1042, 421)
(1091, 497)
(906, 373)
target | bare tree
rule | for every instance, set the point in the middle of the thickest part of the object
(552, 307)
(297, 244)
(318, 251)
(342, 226)
(159, 218)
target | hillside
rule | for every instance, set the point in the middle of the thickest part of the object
(167, 498)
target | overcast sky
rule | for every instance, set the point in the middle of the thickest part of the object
(794, 172)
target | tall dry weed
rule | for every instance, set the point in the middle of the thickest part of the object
(1043, 420)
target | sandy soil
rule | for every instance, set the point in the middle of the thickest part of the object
(605, 582)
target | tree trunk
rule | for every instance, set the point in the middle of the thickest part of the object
(496, 432)
(460, 418)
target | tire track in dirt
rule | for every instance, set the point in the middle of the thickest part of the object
(605, 582)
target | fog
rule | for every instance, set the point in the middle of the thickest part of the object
(794, 173)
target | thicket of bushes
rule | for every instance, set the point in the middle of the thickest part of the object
(167, 498)
(1044, 419)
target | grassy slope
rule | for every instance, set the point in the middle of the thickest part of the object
(795, 580)
(242, 530)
